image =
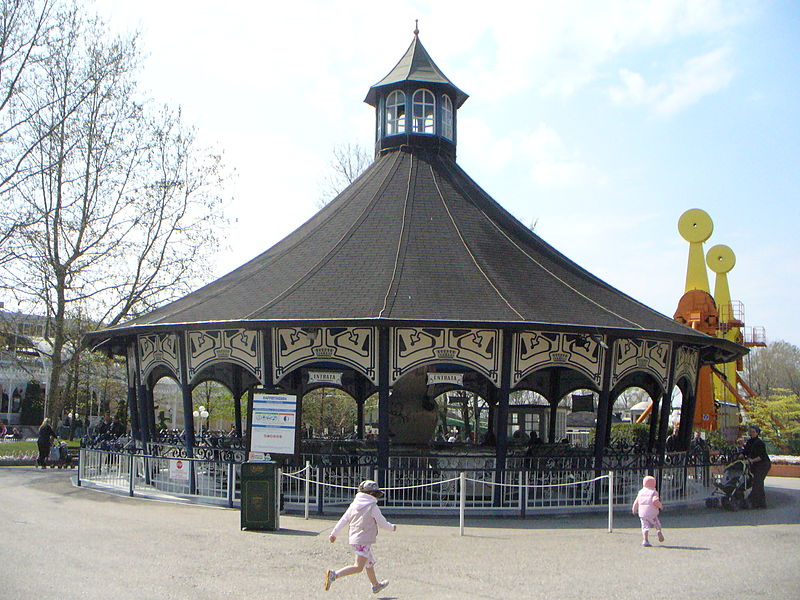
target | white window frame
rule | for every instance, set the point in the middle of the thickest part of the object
(447, 117)
(395, 121)
(423, 112)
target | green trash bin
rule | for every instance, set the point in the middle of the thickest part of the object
(259, 496)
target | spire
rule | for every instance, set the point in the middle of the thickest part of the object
(416, 27)
(416, 65)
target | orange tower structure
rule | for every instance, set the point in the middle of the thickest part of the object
(720, 391)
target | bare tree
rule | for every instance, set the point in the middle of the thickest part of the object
(774, 367)
(124, 207)
(348, 162)
(24, 25)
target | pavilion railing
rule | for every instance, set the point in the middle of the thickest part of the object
(528, 484)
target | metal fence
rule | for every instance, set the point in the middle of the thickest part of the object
(208, 481)
(413, 484)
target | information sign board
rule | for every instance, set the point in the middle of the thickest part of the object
(274, 423)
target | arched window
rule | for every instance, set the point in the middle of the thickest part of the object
(447, 117)
(396, 113)
(424, 111)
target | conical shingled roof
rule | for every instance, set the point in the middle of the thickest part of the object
(416, 65)
(414, 238)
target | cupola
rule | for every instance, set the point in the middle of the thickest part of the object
(415, 105)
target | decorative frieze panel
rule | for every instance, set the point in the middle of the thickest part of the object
(535, 350)
(478, 349)
(240, 346)
(641, 355)
(686, 364)
(351, 346)
(159, 349)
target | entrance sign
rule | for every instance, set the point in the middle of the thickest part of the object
(449, 378)
(331, 377)
(274, 423)
(179, 470)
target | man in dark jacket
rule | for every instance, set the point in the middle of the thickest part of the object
(117, 428)
(756, 452)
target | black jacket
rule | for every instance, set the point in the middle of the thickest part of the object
(46, 433)
(756, 448)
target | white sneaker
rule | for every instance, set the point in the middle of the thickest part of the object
(381, 585)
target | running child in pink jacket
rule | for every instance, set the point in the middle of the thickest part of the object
(647, 505)
(364, 518)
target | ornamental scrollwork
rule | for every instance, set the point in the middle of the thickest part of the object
(350, 346)
(535, 350)
(240, 346)
(641, 355)
(159, 349)
(686, 364)
(412, 347)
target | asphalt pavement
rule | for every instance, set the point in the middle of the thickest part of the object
(61, 542)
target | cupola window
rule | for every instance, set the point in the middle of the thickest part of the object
(447, 117)
(423, 112)
(396, 113)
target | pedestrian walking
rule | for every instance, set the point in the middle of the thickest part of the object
(647, 505)
(756, 452)
(364, 518)
(46, 436)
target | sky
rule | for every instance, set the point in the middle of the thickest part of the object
(598, 122)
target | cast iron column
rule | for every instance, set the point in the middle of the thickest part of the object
(502, 416)
(383, 402)
(603, 409)
(132, 364)
(653, 421)
(555, 386)
(237, 402)
(186, 394)
(666, 407)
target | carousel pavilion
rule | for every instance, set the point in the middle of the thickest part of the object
(413, 282)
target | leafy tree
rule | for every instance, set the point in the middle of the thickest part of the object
(122, 413)
(778, 415)
(218, 401)
(32, 406)
(329, 409)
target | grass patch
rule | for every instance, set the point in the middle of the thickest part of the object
(28, 448)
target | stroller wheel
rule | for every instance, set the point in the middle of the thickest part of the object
(727, 504)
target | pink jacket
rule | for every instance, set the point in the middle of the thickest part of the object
(364, 517)
(647, 503)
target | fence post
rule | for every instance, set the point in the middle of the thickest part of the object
(319, 490)
(523, 493)
(462, 503)
(308, 488)
(278, 496)
(80, 464)
(131, 474)
(610, 501)
(231, 484)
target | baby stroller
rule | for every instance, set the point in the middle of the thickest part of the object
(732, 487)
(59, 456)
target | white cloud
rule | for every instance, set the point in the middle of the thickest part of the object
(555, 164)
(698, 77)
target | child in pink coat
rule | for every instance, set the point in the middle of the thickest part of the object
(647, 505)
(364, 518)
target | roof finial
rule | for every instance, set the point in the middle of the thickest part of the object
(416, 27)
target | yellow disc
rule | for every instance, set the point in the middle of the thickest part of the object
(695, 225)
(720, 259)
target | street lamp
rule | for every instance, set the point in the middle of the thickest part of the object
(200, 414)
